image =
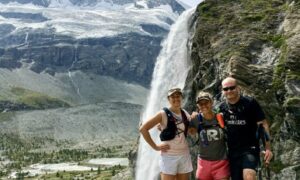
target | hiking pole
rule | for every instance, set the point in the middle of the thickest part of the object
(266, 139)
(263, 137)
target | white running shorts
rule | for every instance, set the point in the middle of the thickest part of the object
(175, 164)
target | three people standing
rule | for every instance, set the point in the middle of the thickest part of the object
(241, 114)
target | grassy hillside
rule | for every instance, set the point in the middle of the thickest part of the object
(36, 100)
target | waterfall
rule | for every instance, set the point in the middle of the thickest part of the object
(26, 39)
(170, 70)
(76, 87)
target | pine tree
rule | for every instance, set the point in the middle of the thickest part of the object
(98, 170)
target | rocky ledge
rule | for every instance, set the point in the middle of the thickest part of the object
(258, 43)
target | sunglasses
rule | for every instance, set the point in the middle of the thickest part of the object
(229, 88)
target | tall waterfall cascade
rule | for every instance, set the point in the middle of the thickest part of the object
(170, 70)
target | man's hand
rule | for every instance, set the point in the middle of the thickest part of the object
(268, 156)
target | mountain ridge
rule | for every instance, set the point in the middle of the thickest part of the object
(53, 40)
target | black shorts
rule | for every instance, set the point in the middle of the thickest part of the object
(245, 161)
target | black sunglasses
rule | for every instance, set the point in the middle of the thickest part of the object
(229, 88)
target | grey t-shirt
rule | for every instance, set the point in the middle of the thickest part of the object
(216, 148)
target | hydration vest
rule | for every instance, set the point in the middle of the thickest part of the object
(219, 117)
(202, 127)
(171, 130)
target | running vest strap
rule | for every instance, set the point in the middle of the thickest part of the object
(171, 130)
(202, 127)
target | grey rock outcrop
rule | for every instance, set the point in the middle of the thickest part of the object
(29, 17)
(9, 106)
(128, 57)
(260, 47)
(125, 49)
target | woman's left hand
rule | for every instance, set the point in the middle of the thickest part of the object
(194, 114)
(163, 147)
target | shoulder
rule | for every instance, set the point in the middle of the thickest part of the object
(186, 114)
(163, 112)
(185, 111)
(164, 118)
(219, 107)
(248, 100)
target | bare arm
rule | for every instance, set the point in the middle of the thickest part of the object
(193, 124)
(268, 154)
(144, 130)
(267, 129)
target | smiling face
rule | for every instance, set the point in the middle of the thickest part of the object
(205, 106)
(230, 90)
(175, 100)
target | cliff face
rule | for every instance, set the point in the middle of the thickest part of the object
(258, 43)
(80, 51)
(106, 38)
(123, 57)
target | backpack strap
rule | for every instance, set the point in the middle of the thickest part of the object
(170, 131)
(185, 122)
(201, 127)
(171, 119)
(168, 112)
(200, 122)
(202, 136)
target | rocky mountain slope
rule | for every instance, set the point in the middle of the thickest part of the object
(69, 53)
(75, 73)
(80, 52)
(84, 126)
(258, 43)
(93, 38)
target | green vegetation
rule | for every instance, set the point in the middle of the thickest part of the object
(6, 116)
(277, 166)
(277, 40)
(292, 75)
(106, 174)
(22, 153)
(108, 152)
(239, 24)
(279, 71)
(253, 17)
(37, 100)
(292, 101)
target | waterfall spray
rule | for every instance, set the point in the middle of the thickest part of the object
(170, 70)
